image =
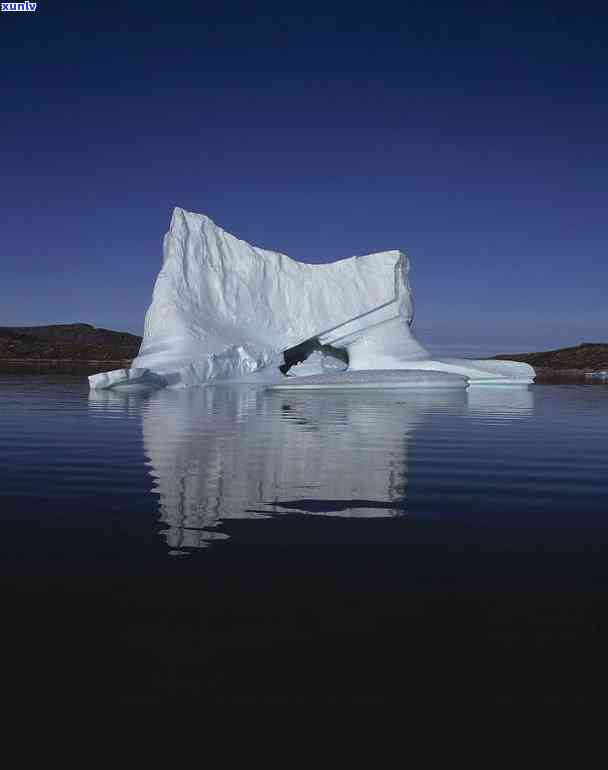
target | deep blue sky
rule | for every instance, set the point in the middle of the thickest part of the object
(474, 137)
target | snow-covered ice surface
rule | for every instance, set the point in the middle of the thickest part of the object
(224, 310)
(383, 378)
(482, 371)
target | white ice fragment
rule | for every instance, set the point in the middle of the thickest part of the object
(312, 365)
(331, 364)
(126, 378)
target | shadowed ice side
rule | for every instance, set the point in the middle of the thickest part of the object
(240, 452)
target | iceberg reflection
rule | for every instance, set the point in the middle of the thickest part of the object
(234, 452)
(500, 402)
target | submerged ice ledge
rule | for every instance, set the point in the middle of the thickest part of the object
(224, 310)
(375, 378)
(127, 377)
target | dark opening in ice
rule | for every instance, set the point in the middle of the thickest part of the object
(299, 353)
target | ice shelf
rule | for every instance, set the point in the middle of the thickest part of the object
(375, 378)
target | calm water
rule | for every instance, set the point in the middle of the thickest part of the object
(199, 543)
(163, 473)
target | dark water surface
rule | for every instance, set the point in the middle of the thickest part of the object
(235, 544)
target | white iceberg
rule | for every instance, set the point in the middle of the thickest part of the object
(224, 310)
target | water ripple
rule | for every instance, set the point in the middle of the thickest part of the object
(188, 461)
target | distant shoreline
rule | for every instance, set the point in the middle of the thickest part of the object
(577, 361)
(67, 344)
(86, 346)
(54, 361)
(546, 374)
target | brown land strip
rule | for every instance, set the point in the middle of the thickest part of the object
(588, 357)
(86, 345)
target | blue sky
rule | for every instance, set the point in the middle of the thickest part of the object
(473, 137)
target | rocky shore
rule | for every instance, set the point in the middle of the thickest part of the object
(85, 345)
(584, 361)
(66, 343)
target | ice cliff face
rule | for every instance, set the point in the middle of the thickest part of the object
(223, 308)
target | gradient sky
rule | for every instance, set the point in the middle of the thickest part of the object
(474, 137)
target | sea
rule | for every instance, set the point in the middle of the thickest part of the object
(231, 544)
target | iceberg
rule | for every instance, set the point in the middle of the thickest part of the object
(224, 310)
